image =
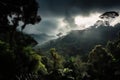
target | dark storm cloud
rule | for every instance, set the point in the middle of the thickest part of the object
(70, 8)
(54, 7)
(95, 4)
(60, 7)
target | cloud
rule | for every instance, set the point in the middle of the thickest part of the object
(59, 15)
(69, 9)
(48, 26)
(84, 7)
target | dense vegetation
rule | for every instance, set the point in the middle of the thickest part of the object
(18, 61)
(102, 63)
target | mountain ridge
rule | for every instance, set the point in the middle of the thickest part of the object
(82, 41)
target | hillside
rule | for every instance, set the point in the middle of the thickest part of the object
(82, 41)
(41, 37)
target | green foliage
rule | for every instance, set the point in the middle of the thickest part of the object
(57, 59)
(99, 54)
(102, 63)
(48, 63)
(114, 48)
(34, 61)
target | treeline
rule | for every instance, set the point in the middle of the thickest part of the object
(23, 63)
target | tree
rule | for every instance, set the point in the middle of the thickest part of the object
(16, 57)
(101, 62)
(57, 59)
(114, 49)
(110, 14)
(7, 61)
(107, 17)
(13, 11)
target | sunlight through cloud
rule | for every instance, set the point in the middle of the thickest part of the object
(87, 21)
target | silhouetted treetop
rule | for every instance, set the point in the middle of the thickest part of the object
(110, 14)
(23, 10)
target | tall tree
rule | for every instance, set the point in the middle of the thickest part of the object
(13, 11)
(15, 60)
(101, 62)
(57, 59)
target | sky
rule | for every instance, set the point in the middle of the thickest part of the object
(62, 16)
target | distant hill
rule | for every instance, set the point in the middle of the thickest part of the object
(41, 37)
(82, 41)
